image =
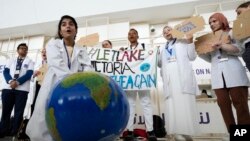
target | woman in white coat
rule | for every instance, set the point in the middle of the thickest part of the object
(228, 76)
(64, 57)
(180, 87)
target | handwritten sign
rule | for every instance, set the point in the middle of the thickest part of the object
(189, 26)
(132, 70)
(203, 44)
(241, 28)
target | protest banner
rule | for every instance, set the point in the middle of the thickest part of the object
(131, 69)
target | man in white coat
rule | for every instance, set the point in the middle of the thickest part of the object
(144, 96)
(180, 87)
(17, 74)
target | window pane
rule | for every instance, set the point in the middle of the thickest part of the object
(36, 43)
(8, 46)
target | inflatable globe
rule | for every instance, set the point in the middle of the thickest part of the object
(87, 106)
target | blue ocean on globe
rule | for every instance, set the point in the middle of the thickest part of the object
(87, 106)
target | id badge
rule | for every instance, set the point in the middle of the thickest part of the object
(17, 71)
(223, 59)
(171, 59)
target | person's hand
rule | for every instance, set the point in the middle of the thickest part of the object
(189, 38)
(36, 73)
(13, 84)
(217, 45)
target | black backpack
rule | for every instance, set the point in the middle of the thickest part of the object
(159, 126)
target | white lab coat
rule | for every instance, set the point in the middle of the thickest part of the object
(27, 64)
(233, 71)
(57, 69)
(180, 88)
(145, 101)
(184, 54)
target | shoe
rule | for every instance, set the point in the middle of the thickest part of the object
(179, 137)
(2, 135)
(226, 138)
(188, 137)
(23, 137)
(14, 138)
(129, 136)
(12, 134)
(170, 137)
(151, 136)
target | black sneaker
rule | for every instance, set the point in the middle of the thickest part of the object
(23, 137)
(2, 135)
(129, 136)
(151, 136)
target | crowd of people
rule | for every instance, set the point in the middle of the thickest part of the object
(62, 56)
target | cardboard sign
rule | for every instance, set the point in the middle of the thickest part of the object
(189, 26)
(241, 28)
(89, 40)
(203, 44)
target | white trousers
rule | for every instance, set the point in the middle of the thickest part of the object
(145, 101)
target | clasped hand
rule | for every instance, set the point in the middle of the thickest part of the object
(13, 84)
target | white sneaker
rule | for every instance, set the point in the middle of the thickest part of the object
(187, 137)
(170, 137)
(179, 137)
(226, 138)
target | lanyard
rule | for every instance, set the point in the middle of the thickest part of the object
(18, 67)
(170, 51)
(19, 63)
(69, 62)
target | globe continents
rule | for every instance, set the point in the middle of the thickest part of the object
(86, 106)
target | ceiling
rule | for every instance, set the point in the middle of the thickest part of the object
(151, 15)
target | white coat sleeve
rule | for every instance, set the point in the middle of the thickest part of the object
(56, 61)
(191, 51)
(84, 60)
(159, 59)
(236, 44)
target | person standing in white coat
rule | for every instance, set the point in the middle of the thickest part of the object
(64, 57)
(17, 74)
(179, 84)
(144, 96)
(228, 76)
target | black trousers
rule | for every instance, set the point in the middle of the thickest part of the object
(11, 98)
(246, 55)
(38, 86)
